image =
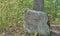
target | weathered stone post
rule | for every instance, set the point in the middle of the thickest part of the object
(36, 20)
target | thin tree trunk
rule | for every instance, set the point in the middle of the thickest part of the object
(38, 5)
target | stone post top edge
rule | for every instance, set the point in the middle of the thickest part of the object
(27, 9)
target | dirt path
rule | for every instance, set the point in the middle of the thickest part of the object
(55, 31)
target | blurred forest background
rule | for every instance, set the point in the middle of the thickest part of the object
(11, 12)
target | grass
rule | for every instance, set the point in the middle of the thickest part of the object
(11, 12)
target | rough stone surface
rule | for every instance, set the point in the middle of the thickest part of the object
(35, 21)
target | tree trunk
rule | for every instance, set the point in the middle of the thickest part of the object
(38, 5)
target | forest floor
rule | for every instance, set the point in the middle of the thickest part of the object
(55, 31)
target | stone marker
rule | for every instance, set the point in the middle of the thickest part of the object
(36, 21)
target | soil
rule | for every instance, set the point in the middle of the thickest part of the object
(55, 31)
